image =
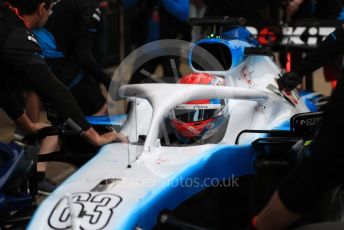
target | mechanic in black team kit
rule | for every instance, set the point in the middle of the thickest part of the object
(299, 192)
(67, 42)
(20, 59)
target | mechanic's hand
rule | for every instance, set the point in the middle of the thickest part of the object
(113, 136)
(289, 81)
(107, 138)
(121, 137)
(100, 140)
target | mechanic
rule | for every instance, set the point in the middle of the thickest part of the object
(299, 191)
(21, 60)
(67, 43)
(306, 10)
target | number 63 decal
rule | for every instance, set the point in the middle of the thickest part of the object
(93, 211)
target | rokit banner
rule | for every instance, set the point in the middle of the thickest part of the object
(298, 35)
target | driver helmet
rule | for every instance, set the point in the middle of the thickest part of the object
(203, 120)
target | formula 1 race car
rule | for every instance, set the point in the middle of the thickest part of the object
(224, 121)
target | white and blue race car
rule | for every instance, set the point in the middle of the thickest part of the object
(128, 185)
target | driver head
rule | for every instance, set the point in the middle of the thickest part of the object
(200, 120)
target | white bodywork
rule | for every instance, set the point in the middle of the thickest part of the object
(139, 189)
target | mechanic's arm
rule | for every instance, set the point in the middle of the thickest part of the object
(16, 112)
(178, 8)
(61, 99)
(328, 49)
(296, 195)
(22, 52)
(84, 56)
(89, 17)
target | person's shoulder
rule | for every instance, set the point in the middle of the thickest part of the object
(22, 38)
(21, 49)
(89, 12)
(23, 34)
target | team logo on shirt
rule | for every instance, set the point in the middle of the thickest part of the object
(97, 14)
(32, 38)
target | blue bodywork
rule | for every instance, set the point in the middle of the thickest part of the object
(241, 34)
(14, 163)
(222, 162)
(113, 120)
(236, 39)
(310, 99)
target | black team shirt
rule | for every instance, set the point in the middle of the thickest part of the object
(20, 58)
(74, 24)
